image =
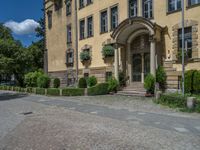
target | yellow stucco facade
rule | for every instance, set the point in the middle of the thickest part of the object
(164, 26)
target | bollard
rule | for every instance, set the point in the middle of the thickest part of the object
(191, 102)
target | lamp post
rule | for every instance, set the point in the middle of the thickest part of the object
(183, 49)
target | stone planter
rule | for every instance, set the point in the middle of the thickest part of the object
(86, 62)
(191, 102)
(108, 60)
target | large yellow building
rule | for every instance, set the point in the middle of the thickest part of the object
(105, 37)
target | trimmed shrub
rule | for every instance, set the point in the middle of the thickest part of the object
(173, 100)
(113, 85)
(149, 83)
(56, 83)
(17, 89)
(82, 83)
(40, 91)
(1, 87)
(53, 91)
(31, 78)
(73, 92)
(99, 89)
(91, 81)
(22, 89)
(189, 81)
(108, 51)
(161, 77)
(43, 81)
(196, 82)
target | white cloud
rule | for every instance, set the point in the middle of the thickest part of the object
(25, 27)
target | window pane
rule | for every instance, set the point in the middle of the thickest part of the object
(132, 8)
(114, 17)
(90, 26)
(147, 8)
(82, 29)
(104, 22)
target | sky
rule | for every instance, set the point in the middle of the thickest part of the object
(21, 17)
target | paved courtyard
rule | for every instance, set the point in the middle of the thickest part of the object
(96, 123)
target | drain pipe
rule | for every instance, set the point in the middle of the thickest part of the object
(76, 26)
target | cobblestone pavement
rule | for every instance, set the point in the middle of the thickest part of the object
(102, 122)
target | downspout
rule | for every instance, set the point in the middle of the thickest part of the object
(76, 27)
(45, 46)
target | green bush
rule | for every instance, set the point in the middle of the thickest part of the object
(113, 85)
(173, 100)
(122, 79)
(85, 55)
(108, 51)
(99, 89)
(53, 91)
(43, 81)
(56, 83)
(73, 92)
(40, 91)
(91, 81)
(149, 83)
(22, 90)
(82, 83)
(196, 82)
(31, 78)
(189, 81)
(161, 77)
(17, 89)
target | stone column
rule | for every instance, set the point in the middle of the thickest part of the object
(142, 74)
(116, 64)
(153, 56)
(129, 63)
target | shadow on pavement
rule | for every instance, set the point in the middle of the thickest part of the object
(11, 96)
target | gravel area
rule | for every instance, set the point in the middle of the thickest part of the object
(93, 123)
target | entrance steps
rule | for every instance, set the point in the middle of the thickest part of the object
(172, 75)
(135, 89)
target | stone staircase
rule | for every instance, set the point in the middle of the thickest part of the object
(135, 89)
(172, 75)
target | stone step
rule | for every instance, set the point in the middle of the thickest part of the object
(169, 69)
(173, 73)
(168, 65)
(172, 78)
(131, 93)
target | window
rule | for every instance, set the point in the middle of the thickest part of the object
(82, 29)
(69, 58)
(188, 40)
(68, 7)
(147, 9)
(104, 22)
(90, 26)
(132, 8)
(81, 4)
(108, 75)
(69, 34)
(174, 5)
(58, 4)
(49, 14)
(114, 17)
(193, 2)
(89, 2)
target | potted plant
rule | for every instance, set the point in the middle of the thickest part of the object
(108, 52)
(85, 57)
(149, 85)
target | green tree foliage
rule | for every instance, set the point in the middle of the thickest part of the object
(82, 83)
(31, 78)
(43, 81)
(56, 83)
(113, 85)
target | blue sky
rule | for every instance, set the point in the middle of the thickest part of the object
(21, 17)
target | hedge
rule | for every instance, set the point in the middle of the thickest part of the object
(30, 90)
(40, 91)
(53, 91)
(99, 89)
(173, 100)
(73, 92)
(196, 82)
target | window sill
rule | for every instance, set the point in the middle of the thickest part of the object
(91, 36)
(89, 4)
(81, 39)
(103, 32)
(192, 6)
(81, 7)
(174, 11)
(68, 43)
(68, 14)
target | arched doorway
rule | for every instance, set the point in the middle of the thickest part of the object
(140, 53)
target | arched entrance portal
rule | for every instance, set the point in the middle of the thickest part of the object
(137, 39)
(140, 53)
